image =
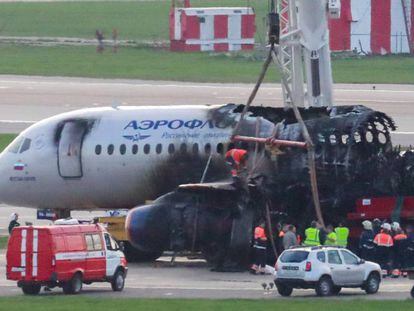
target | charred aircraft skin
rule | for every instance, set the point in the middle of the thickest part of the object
(354, 157)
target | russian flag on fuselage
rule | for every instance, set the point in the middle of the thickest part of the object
(19, 166)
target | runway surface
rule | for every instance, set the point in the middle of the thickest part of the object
(193, 279)
(24, 99)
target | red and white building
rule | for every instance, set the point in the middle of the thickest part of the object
(212, 29)
(374, 26)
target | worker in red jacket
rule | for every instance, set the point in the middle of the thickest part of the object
(400, 247)
(384, 244)
(237, 159)
(260, 249)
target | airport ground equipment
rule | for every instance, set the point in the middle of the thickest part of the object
(65, 256)
(325, 269)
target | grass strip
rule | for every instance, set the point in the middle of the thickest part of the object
(150, 64)
(136, 20)
(80, 303)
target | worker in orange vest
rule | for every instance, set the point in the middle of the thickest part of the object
(400, 247)
(384, 244)
(260, 249)
(237, 159)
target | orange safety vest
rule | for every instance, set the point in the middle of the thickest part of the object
(235, 157)
(400, 237)
(383, 239)
(260, 234)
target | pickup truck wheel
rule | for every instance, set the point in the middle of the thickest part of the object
(284, 290)
(324, 287)
(372, 284)
(118, 281)
(412, 292)
(31, 289)
(74, 286)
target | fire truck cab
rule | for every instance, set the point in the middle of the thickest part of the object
(66, 256)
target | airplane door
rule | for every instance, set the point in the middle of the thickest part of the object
(69, 150)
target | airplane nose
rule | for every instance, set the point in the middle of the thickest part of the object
(147, 227)
(5, 179)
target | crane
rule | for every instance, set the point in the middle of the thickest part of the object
(304, 50)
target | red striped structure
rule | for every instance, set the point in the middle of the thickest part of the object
(373, 26)
(212, 29)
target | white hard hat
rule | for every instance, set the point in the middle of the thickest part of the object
(367, 225)
(386, 226)
(395, 226)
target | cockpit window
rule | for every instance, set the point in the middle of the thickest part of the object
(25, 145)
(15, 145)
(20, 145)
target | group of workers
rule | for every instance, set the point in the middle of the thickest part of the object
(388, 245)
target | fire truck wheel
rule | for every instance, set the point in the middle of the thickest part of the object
(118, 281)
(31, 289)
(74, 286)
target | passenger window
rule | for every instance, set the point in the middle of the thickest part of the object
(98, 149)
(74, 243)
(15, 145)
(122, 149)
(158, 148)
(220, 148)
(26, 145)
(110, 149)
(97, 244)
(321, 256)
(195, 148)
(134, 149)
(110, 243)
(171, 148)
(334, 258)
(59, 243)
(349, 258)
(207, 148)
(147, 148)
(183, 148)
(89, 242)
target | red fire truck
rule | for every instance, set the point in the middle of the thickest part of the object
(399, 208)
(65, 256)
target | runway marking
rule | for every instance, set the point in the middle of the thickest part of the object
(137, 84)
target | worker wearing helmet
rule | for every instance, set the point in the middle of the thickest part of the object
(376, 226)
(13, 221)
(366, 241)
(237, 159)
(395, 227)
(384, 244)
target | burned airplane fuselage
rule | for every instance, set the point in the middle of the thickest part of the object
(354, 157)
